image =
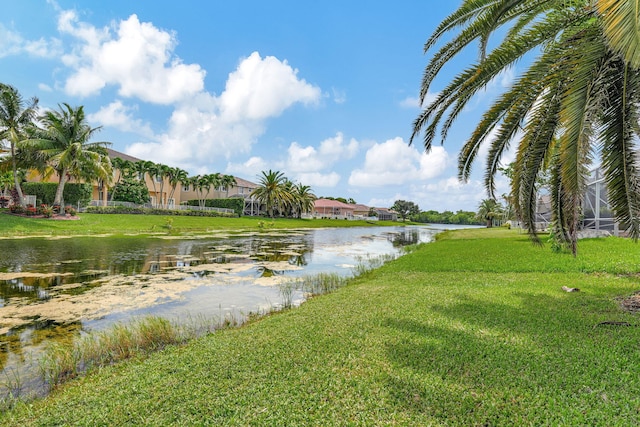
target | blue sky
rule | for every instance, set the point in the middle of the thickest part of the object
(325, 91)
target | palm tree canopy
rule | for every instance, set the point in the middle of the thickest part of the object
(16, 117)
(576, 97)
(271, 190)
(63, 143)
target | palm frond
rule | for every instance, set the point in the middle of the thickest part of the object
(621, 21)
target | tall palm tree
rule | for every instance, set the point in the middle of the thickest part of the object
(271, 191)
(578, 94)
(177, 176)
(288, 205)
(154, 171)
(227, 182)
(488, 210)
(63, 143)
(16, 116)
(163, 172)
(304, 199)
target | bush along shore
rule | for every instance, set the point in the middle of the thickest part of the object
(474, 329)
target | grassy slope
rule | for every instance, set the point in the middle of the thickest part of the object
(467, 331)
(11, 225)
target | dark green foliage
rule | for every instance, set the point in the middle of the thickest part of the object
(45, 192)
(131, 190)
(236, 204)
(446, 217)
(151, 211)
(405, 208)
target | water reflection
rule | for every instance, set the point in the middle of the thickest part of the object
(55, 289)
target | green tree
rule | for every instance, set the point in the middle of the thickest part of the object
(63, 143)
(271, 191)
(132, 190)
(303, 199)
(405, 208)
(577, 95)
(177, 176)
(16, 116)
(162, 172)
(6, 182)
(125, 168)
(227, 182)
(488, 210)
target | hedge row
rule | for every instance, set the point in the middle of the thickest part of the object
(74, 194)
(235, 203)
(151, 211)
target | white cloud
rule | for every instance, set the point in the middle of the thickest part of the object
(394, 162)
(44, 87)
(209, 128)
(449, 194)
(339, 96)
(317, 179)
(414, 101)
(120, 116)
(139, 60)
(136, 57)
(250, 168)
(12, 43)
(264, 87)
(309, 159)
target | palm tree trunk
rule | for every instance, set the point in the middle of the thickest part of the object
(58, 200)
(16, 181)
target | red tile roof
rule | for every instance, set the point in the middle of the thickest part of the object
(327, 203)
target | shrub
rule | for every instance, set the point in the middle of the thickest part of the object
(152, 211)
(234, 203)
(46, 211)
(45, 192)
(131, 190)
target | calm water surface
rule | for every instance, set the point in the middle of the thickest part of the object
(57, 289)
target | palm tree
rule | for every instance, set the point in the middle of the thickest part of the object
(163, 172)
(271, 191)
(620, 22)
(16, 116)
(202, 185)
(488, 210)
(177, 176)
(288, 205)
(63, 143)
(154, 170)
(304, 199)
(578, 94)
(227, 182)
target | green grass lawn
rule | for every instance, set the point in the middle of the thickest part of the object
(463, 331)
(11, 225)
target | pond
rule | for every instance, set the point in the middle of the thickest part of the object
(59, 288)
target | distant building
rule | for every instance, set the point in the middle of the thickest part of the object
(385, 214)
(333, 209)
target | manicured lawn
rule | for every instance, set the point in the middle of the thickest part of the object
(11, 225)
(472, 331)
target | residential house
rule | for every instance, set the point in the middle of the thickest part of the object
(386, 214)
(361, 210)
(333, 209)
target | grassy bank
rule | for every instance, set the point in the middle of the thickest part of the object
(472, 331)
(11, 226)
